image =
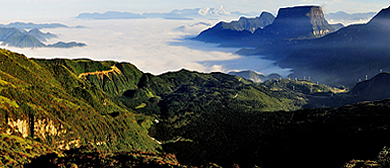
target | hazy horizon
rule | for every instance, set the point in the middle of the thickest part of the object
(52, 9)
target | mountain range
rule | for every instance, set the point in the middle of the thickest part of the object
(301, 39)
(235, 30)
(23, 26)
(342, 57)
(15, 35)
(343, 16)
(86, 113)
(301, 22)
(184, 14)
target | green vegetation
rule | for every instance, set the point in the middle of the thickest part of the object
(107, 114)
(184, 91)
(50, 104)
(17, 151)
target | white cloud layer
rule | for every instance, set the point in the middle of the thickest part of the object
(151, 44)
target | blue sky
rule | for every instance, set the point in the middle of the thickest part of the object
(29, 9)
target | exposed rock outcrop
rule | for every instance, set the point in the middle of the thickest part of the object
(101, 74)
(298, 22)
(236, 30)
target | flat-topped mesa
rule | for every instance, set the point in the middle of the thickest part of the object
(299, 22)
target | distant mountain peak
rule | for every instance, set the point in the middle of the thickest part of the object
(41, 36)
(213, 11)
(237, 29)
(255, 76)
(266, 14)
(341, 12)
(300, 22)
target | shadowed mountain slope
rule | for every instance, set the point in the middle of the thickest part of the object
(376, 88)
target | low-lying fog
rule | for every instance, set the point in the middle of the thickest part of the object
(153, 45)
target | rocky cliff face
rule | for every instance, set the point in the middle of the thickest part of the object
(252, 24)
(240, 30)
(374, 34)
(299, 22)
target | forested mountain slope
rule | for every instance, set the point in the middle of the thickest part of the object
(48, 105)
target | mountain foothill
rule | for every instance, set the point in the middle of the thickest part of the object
(86, 113)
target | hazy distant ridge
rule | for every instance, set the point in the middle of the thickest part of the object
(184, 14)
(341, 16)
(18, 37)
(23, 26)
(254, 76)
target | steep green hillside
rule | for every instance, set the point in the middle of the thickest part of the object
(48, 103)
(184, 91)
(112, 77)
(64, 104)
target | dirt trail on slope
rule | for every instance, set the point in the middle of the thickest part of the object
(100, 74)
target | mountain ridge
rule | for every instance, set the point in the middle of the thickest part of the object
(40, 35)
(183, 14)
(373, 89)
(339, 58)
(242, 28)
(15, 38)
(254, 76)
(291, 23)
(344, 16)
(365, 42)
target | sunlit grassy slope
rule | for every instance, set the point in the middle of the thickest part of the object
(45, 102)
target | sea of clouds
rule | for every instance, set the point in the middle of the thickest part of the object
(153, 45)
